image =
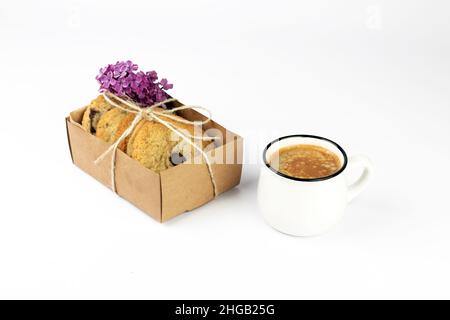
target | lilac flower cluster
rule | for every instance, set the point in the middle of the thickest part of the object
(124, 79)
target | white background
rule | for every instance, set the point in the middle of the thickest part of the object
(372, 75)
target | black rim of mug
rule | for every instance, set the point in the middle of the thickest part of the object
(305, 136)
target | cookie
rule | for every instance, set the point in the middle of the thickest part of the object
(151, 143)
(158, 148)
(109, 123)
(123, 125)
(93, 113)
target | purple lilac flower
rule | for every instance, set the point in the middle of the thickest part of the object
(124, 79)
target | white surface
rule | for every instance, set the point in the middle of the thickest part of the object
(372, 75)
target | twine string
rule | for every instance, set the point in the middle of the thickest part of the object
(150, 113)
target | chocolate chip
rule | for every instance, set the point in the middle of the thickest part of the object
(92, 114)
(177, 158)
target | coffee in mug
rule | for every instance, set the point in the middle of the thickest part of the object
(305, 161)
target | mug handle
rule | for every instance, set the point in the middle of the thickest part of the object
(356, 187)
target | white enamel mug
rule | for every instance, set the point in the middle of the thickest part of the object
(308, 207)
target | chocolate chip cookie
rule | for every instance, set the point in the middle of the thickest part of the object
(93, 113)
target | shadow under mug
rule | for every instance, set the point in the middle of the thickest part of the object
(307, 207)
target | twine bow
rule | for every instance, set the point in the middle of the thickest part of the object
(149, 113)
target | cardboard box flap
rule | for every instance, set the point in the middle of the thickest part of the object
(68, 137)
(227, 165)
(77, 115)
(184, 188)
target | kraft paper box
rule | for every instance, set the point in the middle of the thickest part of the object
(166, 194)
